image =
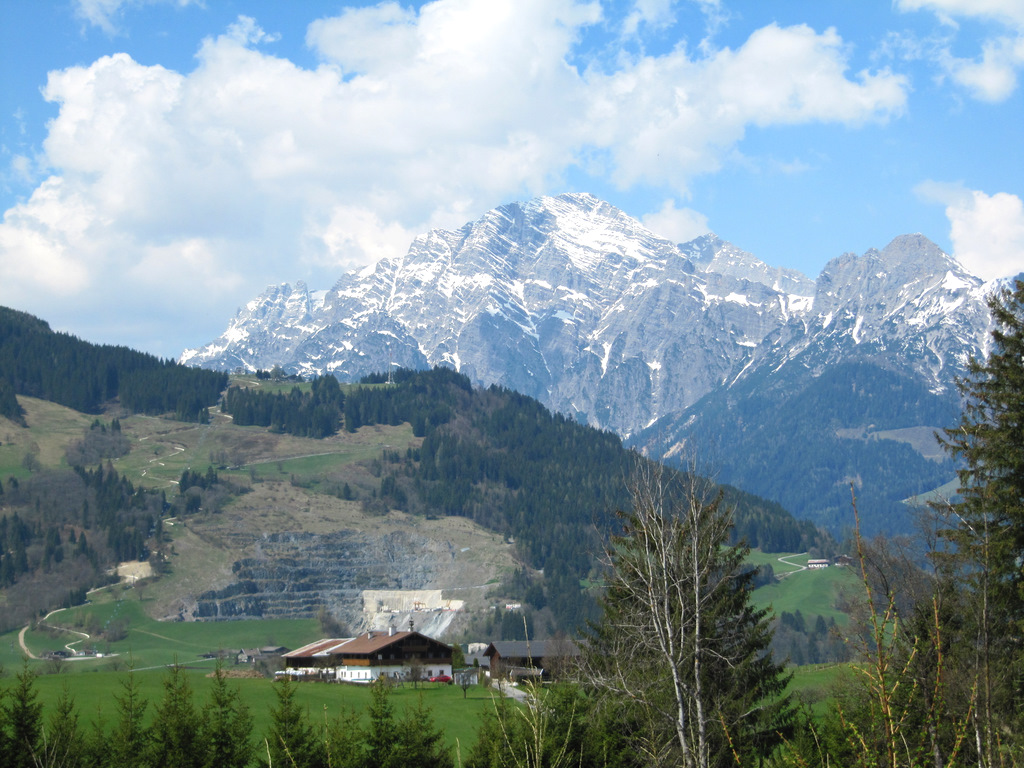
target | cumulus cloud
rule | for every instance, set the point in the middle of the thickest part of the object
(1007, 11)
(679, 225)
(987, 231)
(104, 13)
(199, 186)
(695, 110)
(992, 74)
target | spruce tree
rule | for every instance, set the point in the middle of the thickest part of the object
(988, 519)
(226, 727)
(380, 735)
(23, 714)
(175, 731)
(62, 741)
(418, 741)
(292, 741)
(128, 741)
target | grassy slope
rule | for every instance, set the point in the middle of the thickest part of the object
(161, 451)
(150, 645)
(273, 465)
(813, 593)
(51, 428)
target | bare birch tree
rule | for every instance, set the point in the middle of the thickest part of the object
(680, 649)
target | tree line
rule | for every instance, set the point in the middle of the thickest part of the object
(506, 462)
(58, 367)
(217, 733)
(787, 448)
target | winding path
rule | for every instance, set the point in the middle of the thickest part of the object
(24, 645)
(21, 642)
(798, 567)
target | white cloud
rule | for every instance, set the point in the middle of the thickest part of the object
(40, 242)
(203, 186)
(668, 118)
(987, 231)
(104, 13)
(1009, 12)
(680, 225)
(655, 13)
(356, 236)
(992, 75)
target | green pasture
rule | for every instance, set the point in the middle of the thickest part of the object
(307, 468)
(757, 557)
(146, 642)
(812, 592)
(51, 428)
(814, 684)
(94, 696)
(150, 646)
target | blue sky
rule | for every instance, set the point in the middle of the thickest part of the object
(162, 161)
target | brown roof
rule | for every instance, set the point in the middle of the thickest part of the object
(374, 641)
(371, 642)
(319, 648)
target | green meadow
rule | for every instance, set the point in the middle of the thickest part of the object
(149, 647)
(812, 592)
(94, 695)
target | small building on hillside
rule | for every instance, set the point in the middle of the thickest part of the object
(819, 563)
(267, 653)
(522, 659)
(363, 659)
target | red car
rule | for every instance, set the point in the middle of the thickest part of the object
(441, 679)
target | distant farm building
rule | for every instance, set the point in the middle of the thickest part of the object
(363, 659)
(818, 563)
(534, 659)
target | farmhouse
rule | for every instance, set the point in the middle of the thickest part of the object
(362, 659)
(520, 659)
(818, 563)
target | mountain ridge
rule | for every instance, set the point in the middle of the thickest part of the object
(571, 301)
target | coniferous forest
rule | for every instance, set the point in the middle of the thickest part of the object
(37, 362)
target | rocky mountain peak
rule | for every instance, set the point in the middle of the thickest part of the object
(570, 300)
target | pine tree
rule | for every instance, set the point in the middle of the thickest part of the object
(989, 518)
(418, 741)
(23, 714)
(128, 741)
(62, 741)
(227, 727)
(292, 741)
(175, 731)
(380, 735)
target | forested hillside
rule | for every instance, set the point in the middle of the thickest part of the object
(509, 464)
(63, 530)
(499, 458)
(802, 442)
(37, 362)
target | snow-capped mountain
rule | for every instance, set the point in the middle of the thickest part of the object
(571, 301)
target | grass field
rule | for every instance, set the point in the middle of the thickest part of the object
(149, 646)
(94, 695)
(812, 592)
(148, 643)
(813, 684)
